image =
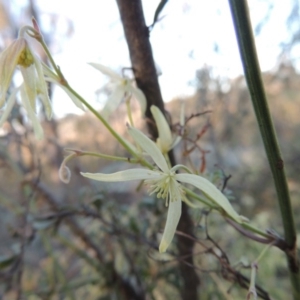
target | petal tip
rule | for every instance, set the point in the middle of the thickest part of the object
(163, 246)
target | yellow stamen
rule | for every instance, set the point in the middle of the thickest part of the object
(26, 58)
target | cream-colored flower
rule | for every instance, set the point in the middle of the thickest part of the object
(165, 140)
(166, 183)
(122, 87)
(19, 55)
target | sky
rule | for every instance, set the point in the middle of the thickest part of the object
(183, 41)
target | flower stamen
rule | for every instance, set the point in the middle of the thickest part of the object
(25, 59)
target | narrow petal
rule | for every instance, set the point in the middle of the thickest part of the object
(75, 100)
(174, 213)
(127, 175)
(211, 192)
(150, 147)
(113, 101)
(38, 130)
(9, 106)
(8, 62)
(139, 95)
(30, 84)
(107, 71)
(42, 87)
(164, 140)
(49, 73)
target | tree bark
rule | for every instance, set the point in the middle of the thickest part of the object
(140, 51)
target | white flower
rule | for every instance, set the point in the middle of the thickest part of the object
(18, 54)
(121, 87)
(164, 181)
(165, 140)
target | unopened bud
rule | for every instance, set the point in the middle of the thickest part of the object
(35, 25)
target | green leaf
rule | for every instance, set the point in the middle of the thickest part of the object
(158, 10)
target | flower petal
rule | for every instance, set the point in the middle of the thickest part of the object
(139, 95)
(8, 62)
(30, 84)
(150, 147)
(42, 87)
(127, 175)
(113, 101)
(211, 192)
(9, 106)
(164, 140)
(107, 71)
(174, 213)
(55, 80)
(75, 100)
(38, 130)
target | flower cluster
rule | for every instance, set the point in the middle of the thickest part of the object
(163, 180)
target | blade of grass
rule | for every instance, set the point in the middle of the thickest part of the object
(245, 38)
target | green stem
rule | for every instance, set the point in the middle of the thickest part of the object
(254, 229)
(101, 155)
(211, 205)
(64, 82)
(243, 29)
(191, 194)
(110, 129)
(40, 39)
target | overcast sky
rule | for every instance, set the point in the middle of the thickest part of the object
(191, 34)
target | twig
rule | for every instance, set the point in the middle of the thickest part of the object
(227, 271)
(124, 285)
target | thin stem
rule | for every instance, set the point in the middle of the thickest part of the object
(39, 37)
(64, 82)
(208, 203)
(110, 129)
(103, 121)
(211, 205)
(101, 155)
(243, 29)
(253, 229)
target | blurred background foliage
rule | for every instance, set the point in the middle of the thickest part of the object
(90, 240)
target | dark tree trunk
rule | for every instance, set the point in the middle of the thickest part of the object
(137, 36)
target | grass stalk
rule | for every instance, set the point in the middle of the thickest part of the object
(246, 43)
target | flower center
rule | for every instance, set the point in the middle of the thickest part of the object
(166, 187)
(25, 58)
